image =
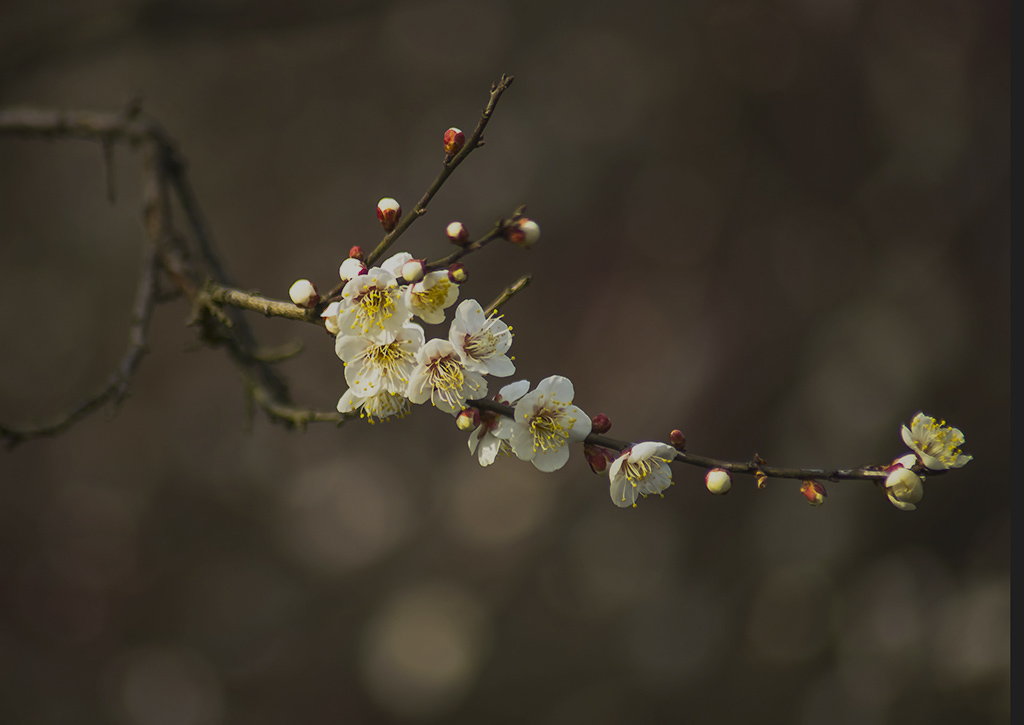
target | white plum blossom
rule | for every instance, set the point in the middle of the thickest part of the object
(937, 444)
(904, 487)
(380, 405)
(641, 470)
(441, 378)
(546, 422)
(384, 362)
(481, 340)
(431, 296)
(372, 303)
(490, 439)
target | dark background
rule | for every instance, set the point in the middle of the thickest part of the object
(782, 227)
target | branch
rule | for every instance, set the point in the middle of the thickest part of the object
(475, 140)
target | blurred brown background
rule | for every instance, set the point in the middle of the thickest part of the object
(782, 227)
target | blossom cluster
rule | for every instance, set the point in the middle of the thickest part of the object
(935, 446)
(390, 365)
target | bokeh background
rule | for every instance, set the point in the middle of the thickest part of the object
(782, 227)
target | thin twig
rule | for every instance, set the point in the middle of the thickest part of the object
(509, 292)
(473, 142)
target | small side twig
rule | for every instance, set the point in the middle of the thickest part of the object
(509, 292)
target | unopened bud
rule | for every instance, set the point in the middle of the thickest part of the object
(457, 233)
(761, 477)
(304, 294)
(457, 273)
(718, 480)
(412, 271)
(357, 253)
(389, 212)
(351, 268)
(454, 140)
(600, 423)
(814, 492)
(599, 458)
(524, 232)
(468, 419)
(330, 317)
(678, 440)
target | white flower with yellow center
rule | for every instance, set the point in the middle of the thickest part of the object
(481, 341)
(383, 362)
(381, 405)
(904, 487)
(431, 296)
(372, 303)
(490, 439)
(441, 378)
(641, 470)
(937, 444)
(546, 423)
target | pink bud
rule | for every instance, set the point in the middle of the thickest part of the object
(454, 140)
(304, 293)
(678, 440)
(457, 233)
(357, 252)
(600, 423)
(389, 212)
(457, 273)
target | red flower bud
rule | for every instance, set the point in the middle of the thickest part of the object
(600, 423)
(814, 492)
(454, 140)
(457, 273)
(678, 440)
(357, 252)
(599, 458)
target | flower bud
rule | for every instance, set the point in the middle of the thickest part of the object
(357, 253)
(468, 419)
(814, 492)
(389, 212)
(454, 140)
(457, 233)
(524, 232)
(457, 273)
(718, 480)
(351, 268)
(330, 317)
(600, 423)
(304, 294)
(412, 271)
(678, 440)
(599, 458)
(904, 489)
